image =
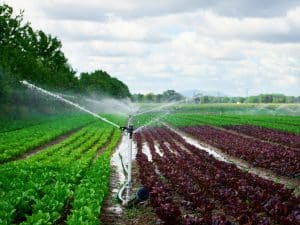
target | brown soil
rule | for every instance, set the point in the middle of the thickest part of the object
(108, 213)
(66, 212)
(47, 145)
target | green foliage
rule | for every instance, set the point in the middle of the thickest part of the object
(284, 123)
(32, 55)
(44, 183)
(35, 56)
(101, 84)
(171, 95)
(242, 109)
(262, 98)
(12, 125)
(148, 119)
(93, 188)
(167, 96)
(14, 143)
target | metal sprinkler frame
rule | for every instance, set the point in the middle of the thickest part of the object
(129, 129)
(142, 193)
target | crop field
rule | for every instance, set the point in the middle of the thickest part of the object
(190, 186)
(65, 182)
(172, 113)
(16, 141)
(57, 169)
(233, 108)
(289, 124)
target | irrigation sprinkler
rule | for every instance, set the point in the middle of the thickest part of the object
(32, 86)
(142, 193)
(129, 129)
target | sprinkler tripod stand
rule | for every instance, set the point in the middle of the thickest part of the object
(129, 129)
(142, 193)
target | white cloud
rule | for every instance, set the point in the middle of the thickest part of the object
(97, 10)
(207, 45)
(277, 29)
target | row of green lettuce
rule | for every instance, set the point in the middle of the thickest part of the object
(65, 182)
(8, 125)
(93, 188)
(17, 142)
(283, 123)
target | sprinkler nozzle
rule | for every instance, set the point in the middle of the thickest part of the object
(129, 129)
(123, 128)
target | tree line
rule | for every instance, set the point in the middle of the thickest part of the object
(33, 55)
(262, 98)
(166, 96)
(172, 95)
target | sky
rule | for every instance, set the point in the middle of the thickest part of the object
(232, 47)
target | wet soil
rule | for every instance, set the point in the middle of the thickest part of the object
(113, 213)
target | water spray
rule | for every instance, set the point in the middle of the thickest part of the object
(128, 129)
(157, 109)
(142, 193)
(32, 86)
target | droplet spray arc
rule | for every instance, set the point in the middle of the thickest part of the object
(32, 86)
(129, 129)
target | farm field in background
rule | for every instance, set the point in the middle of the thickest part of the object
(56, 169)
(289, 124)
(243, 108)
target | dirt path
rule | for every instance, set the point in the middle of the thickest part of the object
(243, 165)
(111, 210)
(113, 213)
(47, 145)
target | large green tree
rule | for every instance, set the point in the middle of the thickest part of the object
(101, 83)
(26, 54)
(32, 55)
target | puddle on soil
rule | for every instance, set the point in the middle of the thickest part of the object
(208, 150)
(122, 150)
(156, 146)
(116, 209)
(116, 160)
(116, 163)
(146, 151)
(198, 145)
